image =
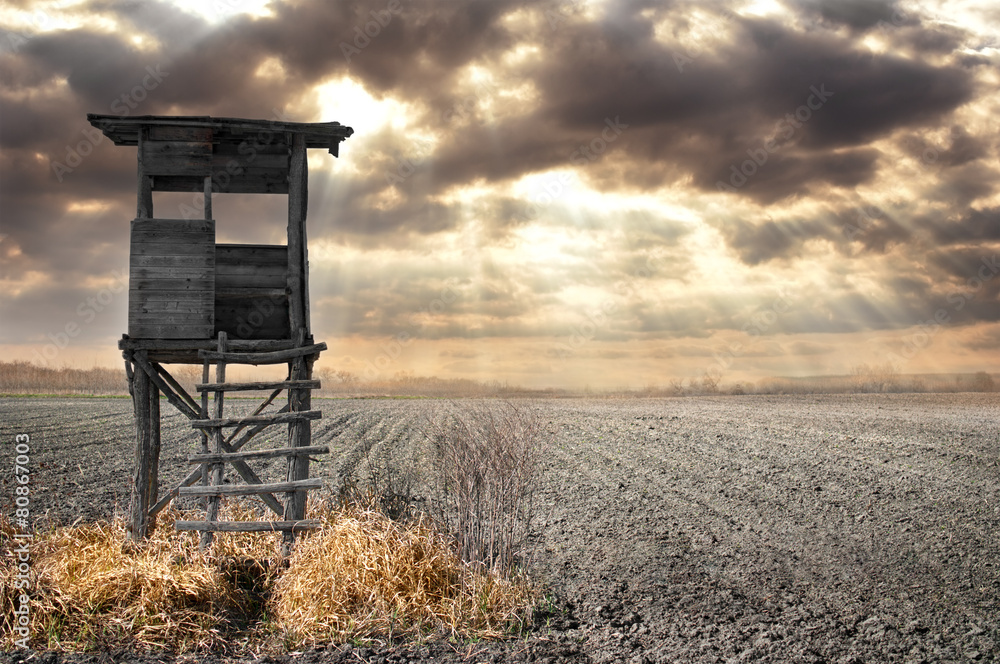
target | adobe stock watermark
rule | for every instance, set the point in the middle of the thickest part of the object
(760, 322)
(122, 106)
(923, 338)
(864, 218)
(601, 316)
(683, 58)
(463, 109)
(38, 22)
(393, 349)
(86, 313)
(562, 12)
(784, 130)
(586, 153)
(20, 549)
(248, 149)
(364, 34)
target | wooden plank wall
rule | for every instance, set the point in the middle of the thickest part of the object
(172, 279)
(235, 168)
(251, 299)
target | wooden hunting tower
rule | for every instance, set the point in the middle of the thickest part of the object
(194, 301)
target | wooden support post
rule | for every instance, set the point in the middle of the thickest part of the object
(204, 434)
(299, 435)
(298, 183)
(212, 505)
(152, 492)
(139, 503)
(144, 202)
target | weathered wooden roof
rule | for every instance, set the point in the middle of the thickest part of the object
(125, 130)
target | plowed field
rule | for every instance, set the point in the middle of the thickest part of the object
(758, 528)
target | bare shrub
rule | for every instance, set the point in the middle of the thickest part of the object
(486, 467)
(876, 378)
(710, 384)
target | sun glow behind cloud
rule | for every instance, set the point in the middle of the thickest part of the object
(461, 169)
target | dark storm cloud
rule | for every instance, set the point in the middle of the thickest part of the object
(610, 82)
(857, 14)
(977, 226)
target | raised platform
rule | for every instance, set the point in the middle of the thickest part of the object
(185, 351)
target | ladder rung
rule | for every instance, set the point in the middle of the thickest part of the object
(248, 526)
(249, 489)
(280, 418)
(276, 385)
(258, 454)
(272, 357)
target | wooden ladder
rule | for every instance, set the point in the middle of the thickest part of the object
(217, 449)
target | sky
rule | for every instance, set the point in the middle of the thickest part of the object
(563, 193)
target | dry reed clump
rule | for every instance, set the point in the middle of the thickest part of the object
(365, 576)
(487, 463)
(91, 588)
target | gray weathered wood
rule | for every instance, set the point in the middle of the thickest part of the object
(218, 447)
(208, 196)
(281, 418)
(157, 380)
(179, 247)
(258, 454)
(139, 503)
(249, 526)
(239, 345)
(165, 132)
(165, 500)
(177, 387)
(168, 250)
(236, 255)
(264, 181)
(154, 449)
(190, 331)
(144, 194)
(246, 387)
(277, 295)
(164, 158)
(297, 203)
(167, 228)
(249, 489)
(275, 357)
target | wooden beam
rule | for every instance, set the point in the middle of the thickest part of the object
(154, 449)
(244, 387)
(281, 418)
(274, 357)
(258, 454)
(144, 196)
(256, 429)
(177, 387)
(260, 409)
(298, 182)
(139, 502)
(249, 526)
(162, 385)
(240, 467)
(216, 469)
(249, 489)
(208, 196)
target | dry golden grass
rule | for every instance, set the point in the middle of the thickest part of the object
(93, 589)
(362, 576)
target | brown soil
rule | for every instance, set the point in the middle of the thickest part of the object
(729, 529)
